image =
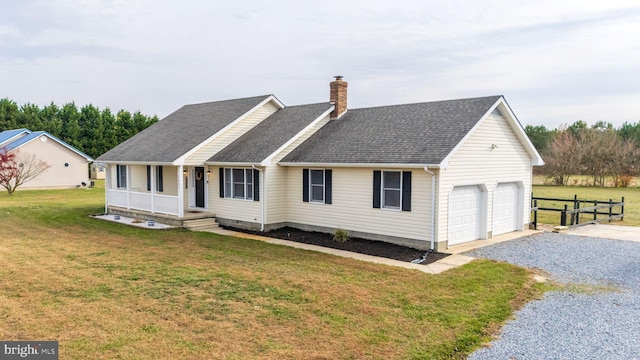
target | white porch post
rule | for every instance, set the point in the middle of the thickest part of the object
(153, 187)
(180, 191)
(128, 173)
(107, 187)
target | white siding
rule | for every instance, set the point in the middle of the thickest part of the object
(475, 162)
(276, 180)
(235, 209)
(137, 175)
(276, 194)
(230, 135)
(170, 180)
(352, 207)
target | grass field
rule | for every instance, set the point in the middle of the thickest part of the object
(631, 196)
(105, 291)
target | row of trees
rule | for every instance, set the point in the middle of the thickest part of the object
(89, 129)
(599, 151)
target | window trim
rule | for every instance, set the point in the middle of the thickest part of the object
(405, 191)
(327, 186)
(229, 183)
(312, 185)
(383, 188)
(121, 176)
(159, 179)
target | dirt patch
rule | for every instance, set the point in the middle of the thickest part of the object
(362, 246)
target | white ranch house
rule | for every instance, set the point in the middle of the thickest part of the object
(424, 175)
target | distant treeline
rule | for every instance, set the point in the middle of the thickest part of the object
(599, 151)
(89, 129)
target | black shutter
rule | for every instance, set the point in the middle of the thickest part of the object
(148, 177)
(221, 182)
(256, 185)
(305, 185)
(377, 183)
(406, 191)
(118, 176)
(327, 186)
(160, 181)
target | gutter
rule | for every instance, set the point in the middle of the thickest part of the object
(433, 206)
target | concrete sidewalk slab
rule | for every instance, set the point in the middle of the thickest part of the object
(468, 246)
(604, 231)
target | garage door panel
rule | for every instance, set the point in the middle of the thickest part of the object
(465, 214)
(506, 206)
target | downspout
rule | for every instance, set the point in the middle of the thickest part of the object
(264, 196)
(433, 206)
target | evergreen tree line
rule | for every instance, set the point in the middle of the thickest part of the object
(88, 129)
(600, 151)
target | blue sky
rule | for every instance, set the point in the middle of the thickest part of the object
(554, 61)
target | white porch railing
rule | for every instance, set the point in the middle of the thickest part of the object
(164, 204)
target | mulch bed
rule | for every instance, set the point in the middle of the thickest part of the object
(362, 246)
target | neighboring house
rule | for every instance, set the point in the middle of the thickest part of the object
(98, 171)
(67, 165)
(425, 175)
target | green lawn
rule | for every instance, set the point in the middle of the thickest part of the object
(631, 196)
(105, 290)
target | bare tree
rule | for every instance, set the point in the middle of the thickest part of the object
(626, 163)
(562, 157)
(17, 168)
(599, 149)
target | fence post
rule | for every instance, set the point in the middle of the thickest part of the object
(622, 209)
(535, 215)
(595, 210)
(578, 213)
(563, 216)
(610, 209)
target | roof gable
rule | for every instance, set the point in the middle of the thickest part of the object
(30, 136)
(182, 131)
(268, 136)
(423, 133)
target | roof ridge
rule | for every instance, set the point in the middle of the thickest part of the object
(428, 102)
(229, 100)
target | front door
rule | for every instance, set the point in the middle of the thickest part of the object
(200, 183)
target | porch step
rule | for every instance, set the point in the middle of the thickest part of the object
(201, 224)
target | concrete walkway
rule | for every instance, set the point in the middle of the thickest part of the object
(452, 261)
(630, 233)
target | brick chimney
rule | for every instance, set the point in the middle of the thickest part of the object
(338, 96)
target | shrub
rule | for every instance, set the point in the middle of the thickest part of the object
(340, 235)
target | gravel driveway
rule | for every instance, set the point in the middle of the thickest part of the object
(581, 324)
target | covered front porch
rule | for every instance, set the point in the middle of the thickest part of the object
(169, 193)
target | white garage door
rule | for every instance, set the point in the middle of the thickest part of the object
(465, 209)
(506, 203)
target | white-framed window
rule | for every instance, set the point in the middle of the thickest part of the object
(238, 183)
(316, 186)
(121, 176)
(159, 178)
(392, 190)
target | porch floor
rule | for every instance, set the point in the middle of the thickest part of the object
(172, 220)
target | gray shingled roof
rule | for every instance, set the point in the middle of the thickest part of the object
(173, 136)
(265, 138)
(422, 133)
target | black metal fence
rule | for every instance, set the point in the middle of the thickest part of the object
(576, 212)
